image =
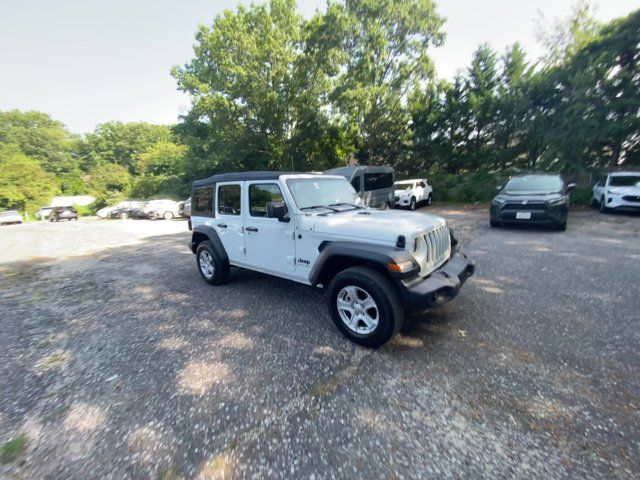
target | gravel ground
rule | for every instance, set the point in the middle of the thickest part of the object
(118, 361)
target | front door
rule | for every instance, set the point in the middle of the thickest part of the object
(228, 222)
(270, 243)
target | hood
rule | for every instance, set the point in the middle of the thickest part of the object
(375, 225)
(632, 190)
(519, 196)
(399, 193)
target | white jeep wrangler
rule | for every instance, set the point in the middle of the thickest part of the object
(311, 229)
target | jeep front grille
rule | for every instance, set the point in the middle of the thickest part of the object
(438, 248)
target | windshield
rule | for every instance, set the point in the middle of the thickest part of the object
(318, 192)
(534, 183)
(625, 181)
(403, 186)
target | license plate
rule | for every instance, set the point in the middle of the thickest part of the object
(523, 215)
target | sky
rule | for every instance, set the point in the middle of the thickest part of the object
(86, 62)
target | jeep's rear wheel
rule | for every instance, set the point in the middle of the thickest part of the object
(365, 306)
(212, 268)
(412, 203)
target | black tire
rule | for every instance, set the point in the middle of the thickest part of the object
(562, 226)
(429, 199)
(220, 272)
(494, 223)
(412, 203)
(390, 311)
(603, 208)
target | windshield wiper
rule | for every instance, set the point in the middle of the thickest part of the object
(320, 206)
(345, 203)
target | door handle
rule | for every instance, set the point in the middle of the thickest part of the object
(222, 225)
(251, 229)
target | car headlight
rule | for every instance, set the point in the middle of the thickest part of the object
(419, 248)
(557, 201)
(499, 200)
(614, 191)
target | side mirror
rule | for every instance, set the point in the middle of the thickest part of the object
(499, 187)
(278, 210)
(571, 187)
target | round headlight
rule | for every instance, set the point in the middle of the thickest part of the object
(419, 248)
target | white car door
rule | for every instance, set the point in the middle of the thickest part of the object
(229, 223)
(269, 243)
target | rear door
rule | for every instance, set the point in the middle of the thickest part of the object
(269, 243)
(229, 222)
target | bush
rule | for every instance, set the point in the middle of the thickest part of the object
(581, 196)
(87, 210)
(476, 187)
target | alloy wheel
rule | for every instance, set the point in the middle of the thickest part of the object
(357, 310)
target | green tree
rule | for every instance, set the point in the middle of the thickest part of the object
(39, 137)
(108, 182)
(242, 87)
(24, 184)
(565, 37)
(386, 43)
(121, 144)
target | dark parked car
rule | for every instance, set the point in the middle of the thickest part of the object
(184, 208)
(63, 213)
(532, 199)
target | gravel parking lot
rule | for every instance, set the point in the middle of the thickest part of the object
(118, 361)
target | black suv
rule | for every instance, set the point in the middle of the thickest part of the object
(63, 213)
(541, 199)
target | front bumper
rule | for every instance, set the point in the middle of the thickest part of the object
(623, 202)
(402, 201)
(543, 214)
(442, 285)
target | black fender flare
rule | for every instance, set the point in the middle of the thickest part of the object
(213, 238)
(365, 254)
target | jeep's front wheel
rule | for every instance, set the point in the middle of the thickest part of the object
(212, 268)
(365, 306)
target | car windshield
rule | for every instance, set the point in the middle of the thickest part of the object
(625, 181)
(534, 184)
(320, 192)
(403, 186)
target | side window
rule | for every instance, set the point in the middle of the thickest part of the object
(260, 195)
(377, 181)
(203, 200)
(422, 184)
(356, 183)
(229, 199)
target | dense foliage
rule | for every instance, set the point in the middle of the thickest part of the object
(273, 90)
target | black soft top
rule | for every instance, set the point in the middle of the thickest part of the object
(239, 177)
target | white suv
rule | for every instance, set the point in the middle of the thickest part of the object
(311, 229)
(617, 191)
(410, 193)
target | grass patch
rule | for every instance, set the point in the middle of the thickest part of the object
(52, 361)
(171, 473)
(12, 449)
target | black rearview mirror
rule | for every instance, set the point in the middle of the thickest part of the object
(278, 210)
(571, 187)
